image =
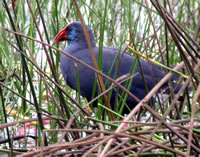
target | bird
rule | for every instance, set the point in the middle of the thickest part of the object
(78, 47)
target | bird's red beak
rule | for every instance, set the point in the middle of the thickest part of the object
(62, 36)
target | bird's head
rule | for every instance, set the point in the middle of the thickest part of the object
(73, 33)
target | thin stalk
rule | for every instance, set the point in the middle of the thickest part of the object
(5, 119)
(78, 83)
(27, 72)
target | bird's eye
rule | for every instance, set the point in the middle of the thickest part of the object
(69, 29)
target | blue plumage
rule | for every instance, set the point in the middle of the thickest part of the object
(78, 47)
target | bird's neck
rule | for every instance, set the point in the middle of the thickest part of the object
(75, 46)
